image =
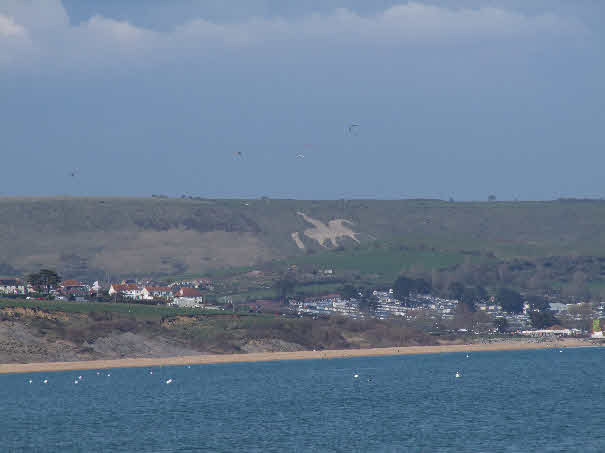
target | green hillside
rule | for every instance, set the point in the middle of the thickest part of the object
(114, 237)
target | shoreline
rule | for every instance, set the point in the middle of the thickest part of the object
(38, 367)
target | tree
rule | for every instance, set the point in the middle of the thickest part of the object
(45, 280)
(542, 319)
(421, 286)
(538, 303)
(285, 286)
(578, 288)
(469, 298)
(472, 296)
(50, 279)
(404, 286)
(34, 279)
(510, 300)
(349, 292)
(368, 301)
(455, 290)
(481, 293)
(501, 324)
(504, 273)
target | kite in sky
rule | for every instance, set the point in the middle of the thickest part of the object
(353, 128)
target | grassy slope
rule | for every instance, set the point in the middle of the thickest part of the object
(384, 261)
(91, 236)
(136, 310)
(82, 324)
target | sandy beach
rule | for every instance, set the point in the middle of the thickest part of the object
(275, 356)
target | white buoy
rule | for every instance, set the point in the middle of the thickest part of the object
(467, 356)
(169, 381)
(76, 381)
(79, 378)
(151, 372)
(108, 374)
(30, 381)
(45, 381)
(98, 373)
(355, 375)
(458, 374)
(561, 350)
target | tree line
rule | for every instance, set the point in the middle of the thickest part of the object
(44, 281)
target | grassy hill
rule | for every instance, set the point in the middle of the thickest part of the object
(101, 237)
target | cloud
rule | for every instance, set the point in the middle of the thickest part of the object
(411, 22)
(37, 16)
(14, 42)
(8, 28)
(105, 40)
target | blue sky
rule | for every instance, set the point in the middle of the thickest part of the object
(454, 99)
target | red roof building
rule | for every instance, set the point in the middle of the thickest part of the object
(189, 292)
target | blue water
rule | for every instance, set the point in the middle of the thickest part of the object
(521, 401)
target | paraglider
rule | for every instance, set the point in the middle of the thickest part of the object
(353, 129)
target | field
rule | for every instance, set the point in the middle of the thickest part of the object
(385, 262)
(110, 238)
(135, 310)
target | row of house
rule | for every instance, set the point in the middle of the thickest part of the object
(179, 296)
(16, 286)
(11, 285)
(178, 293)
(327, 305)
(389, 307)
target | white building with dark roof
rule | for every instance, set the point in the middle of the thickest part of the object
(11, 285)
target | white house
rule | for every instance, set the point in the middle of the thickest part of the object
(188, 297)
(11, 286)
(151, 292)
(127, 290)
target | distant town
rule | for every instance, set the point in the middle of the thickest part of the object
(479, 314)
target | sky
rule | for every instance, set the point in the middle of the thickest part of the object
(459, 99)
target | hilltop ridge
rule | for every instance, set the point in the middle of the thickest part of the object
(92, 237)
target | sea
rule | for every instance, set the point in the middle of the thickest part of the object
(547, 400)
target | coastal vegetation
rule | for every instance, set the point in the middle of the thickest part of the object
(36, 330)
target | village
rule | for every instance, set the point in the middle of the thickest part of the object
(186, 294)
(432, 313)
(436, 313)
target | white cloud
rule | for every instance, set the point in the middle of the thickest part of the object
(411, 22)
(113, 30)
(105, 40)
(8, 28)
(37, 15)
